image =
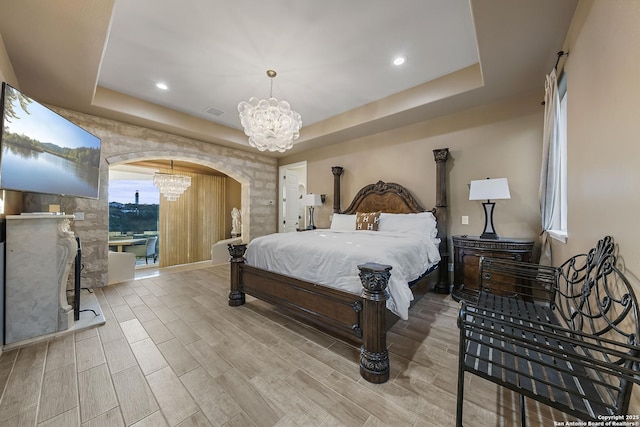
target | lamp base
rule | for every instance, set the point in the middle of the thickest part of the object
(492, 236)
(489, 231)
(311, 225)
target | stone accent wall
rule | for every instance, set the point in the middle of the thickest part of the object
(122, 143)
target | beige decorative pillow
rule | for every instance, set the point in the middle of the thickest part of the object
(367, 221)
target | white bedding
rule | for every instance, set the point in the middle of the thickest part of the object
(331, 258)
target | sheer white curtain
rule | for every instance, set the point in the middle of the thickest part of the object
(550, 177)
(190, 225)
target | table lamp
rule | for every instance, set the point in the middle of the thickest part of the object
(311, 200)
(487, 189)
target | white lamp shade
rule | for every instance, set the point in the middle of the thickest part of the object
(487, 189)
(312, 200)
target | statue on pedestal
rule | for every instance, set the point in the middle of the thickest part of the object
(236, 225)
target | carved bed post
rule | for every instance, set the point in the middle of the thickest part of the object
(337, 171)
(374, 357)
(236, 296)
(441, 155)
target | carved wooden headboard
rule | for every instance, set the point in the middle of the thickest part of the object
(394, 198)
(385, 197)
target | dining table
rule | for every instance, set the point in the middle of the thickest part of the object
(121, 243)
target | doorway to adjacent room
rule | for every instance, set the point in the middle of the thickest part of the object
(293, 185)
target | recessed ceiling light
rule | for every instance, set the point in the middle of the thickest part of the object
(162, 86)
(399, 60)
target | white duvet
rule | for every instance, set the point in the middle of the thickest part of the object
(331, 258)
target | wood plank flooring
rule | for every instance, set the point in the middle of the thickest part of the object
(173, 353)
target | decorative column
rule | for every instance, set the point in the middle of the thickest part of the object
(236, 296)
(441, 155)
(67, 249)
(337, 171)
(374, 357)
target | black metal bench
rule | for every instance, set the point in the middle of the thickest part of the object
(569, 338)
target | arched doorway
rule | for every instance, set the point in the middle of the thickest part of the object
(186, 228)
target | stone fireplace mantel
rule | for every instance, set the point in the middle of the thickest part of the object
(40, 250)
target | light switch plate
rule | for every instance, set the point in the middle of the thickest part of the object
(465, 220)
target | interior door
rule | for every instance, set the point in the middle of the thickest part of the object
(291, 202)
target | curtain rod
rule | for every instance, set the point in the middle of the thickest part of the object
(560, 54)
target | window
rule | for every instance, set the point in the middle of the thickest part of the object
(133, 204)
(559, 219)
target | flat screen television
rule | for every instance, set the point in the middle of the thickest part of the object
(42, 152)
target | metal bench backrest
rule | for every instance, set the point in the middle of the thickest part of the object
(533, 282)
(594, 298)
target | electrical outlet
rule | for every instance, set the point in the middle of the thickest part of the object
(465, 220)
(78, 216)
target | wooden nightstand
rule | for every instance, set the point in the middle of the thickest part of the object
(467, 251)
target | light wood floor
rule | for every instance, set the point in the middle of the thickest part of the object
(174, 353)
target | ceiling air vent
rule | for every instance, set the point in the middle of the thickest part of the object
(214, 111)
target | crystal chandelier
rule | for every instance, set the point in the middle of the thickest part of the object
(171, 186)
(270, 124)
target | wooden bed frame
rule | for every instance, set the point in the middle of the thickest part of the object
(362, 319)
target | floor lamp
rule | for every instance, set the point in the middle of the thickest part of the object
(311, 200)
(487, 189)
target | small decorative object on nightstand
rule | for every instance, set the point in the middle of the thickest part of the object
(467, 251)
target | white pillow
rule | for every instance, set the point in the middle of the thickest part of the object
(343, 222)
(423, 223)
